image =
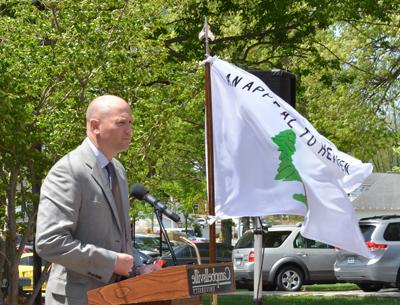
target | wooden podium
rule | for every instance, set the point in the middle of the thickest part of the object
(178, 285)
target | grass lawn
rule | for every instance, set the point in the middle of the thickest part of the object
(331, 287)
(303, 300)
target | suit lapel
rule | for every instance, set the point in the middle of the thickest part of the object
(98, 176)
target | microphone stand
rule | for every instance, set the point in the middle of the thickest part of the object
(164, 232)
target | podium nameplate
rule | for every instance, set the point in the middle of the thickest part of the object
(204, 279)
(177, 285)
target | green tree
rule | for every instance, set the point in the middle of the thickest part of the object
(226, 231)
(286, 142)
(354, 100)
(396, 152)
(55, 56)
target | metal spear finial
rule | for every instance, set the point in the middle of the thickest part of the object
(206, 34)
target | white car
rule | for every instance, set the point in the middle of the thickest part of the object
(382, 236)
(289, 260)
(201, 221)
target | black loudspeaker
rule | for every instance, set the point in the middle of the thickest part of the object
(281, 82)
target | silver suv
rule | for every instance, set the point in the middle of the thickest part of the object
(289, 260)
(382, 236)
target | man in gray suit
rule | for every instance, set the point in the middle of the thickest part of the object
(83, 218)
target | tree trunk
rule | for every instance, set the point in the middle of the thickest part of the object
(37, 261)
(226, 229)
(11, 238)
(3, 263)
(245, 224)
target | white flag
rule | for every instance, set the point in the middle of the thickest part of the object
(270, 160)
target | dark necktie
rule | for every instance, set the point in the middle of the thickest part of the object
(117, 199)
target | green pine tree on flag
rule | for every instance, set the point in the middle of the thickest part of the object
(286, 141)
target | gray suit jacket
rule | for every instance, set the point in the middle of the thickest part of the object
(78, 228)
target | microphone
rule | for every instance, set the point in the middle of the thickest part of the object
(139, 191)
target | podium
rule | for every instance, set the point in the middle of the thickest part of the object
(177, 285)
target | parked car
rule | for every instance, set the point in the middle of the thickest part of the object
(201, 221)
(289, 260)
(188, 232)
(382, 236)
(25, 272)
(149, 244)
(185, 254)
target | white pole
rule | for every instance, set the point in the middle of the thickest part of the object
(257, 299)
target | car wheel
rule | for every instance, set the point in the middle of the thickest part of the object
(370, 287)
(289, 279)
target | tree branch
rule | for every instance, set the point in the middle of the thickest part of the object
(341, 60)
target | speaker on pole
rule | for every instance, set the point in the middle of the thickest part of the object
(281, 82)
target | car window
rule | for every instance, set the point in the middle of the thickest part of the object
(302, 242)
(275, 239)
(223, 251)
(149, 241)
(26, 261)
(246, 241)
(319, 245)
(367, 231)
(185, 252)
(271, 239)
(392, 232)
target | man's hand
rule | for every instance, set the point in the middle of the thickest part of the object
(124, 264)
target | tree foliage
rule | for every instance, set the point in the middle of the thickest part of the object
(355, 101)
(55, 56)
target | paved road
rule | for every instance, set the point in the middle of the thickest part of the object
(392, 292)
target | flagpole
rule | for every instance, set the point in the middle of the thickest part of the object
(258, 262)
(205, 34)
(210, 162)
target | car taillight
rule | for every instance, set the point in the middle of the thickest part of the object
(160, 262)
(251, 257)
(374, 246)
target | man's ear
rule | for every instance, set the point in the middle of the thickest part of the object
(95, 126)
